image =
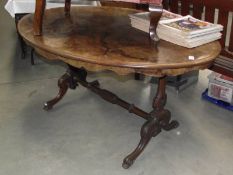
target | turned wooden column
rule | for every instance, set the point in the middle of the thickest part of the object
(161, 96)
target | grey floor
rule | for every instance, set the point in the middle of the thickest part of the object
(85, 135)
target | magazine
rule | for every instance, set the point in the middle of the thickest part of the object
(191, 42)
(185, 31)
(145, 27)
(189, 25)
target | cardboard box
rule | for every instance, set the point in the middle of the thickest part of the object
(221, 87)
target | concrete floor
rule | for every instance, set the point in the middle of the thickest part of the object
(85, 135)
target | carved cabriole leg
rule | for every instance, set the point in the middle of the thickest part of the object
(67, 7)
(149, 129)
(38, 16)
(160, 119)
(63, 83)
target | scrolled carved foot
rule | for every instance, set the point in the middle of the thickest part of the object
(127, 162)
(172, 125)
(47, 106)
(63, 84)
(164, 117)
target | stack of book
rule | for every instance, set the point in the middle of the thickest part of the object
(185, 31)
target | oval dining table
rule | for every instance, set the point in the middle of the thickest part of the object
(101, 38)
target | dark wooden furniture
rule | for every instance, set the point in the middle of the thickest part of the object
(89, 39)
(23, 45)
(223, 64)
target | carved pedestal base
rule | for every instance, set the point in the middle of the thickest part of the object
(160, 118)
(157, 120)
(150, 129)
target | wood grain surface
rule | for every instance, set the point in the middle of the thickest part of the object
(101, 38)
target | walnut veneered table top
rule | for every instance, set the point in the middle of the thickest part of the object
(101, 38)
